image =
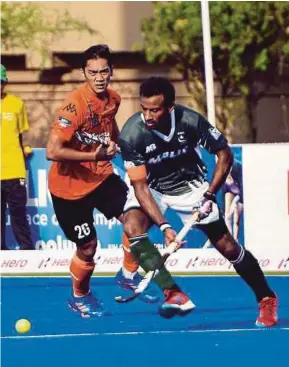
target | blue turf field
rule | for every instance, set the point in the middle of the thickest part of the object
(220, 332)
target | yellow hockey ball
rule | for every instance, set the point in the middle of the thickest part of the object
(22, 326)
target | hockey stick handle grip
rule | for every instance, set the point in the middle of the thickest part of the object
(101, 141)
(182, 234)
(105, 143)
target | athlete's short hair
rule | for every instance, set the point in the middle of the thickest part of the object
(100, 51)
(157, 85)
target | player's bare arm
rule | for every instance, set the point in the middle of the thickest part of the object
(147, 202)
(151, 208)
(57, 151)
(224, 163)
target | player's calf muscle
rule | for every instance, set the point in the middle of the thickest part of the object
(228, 247)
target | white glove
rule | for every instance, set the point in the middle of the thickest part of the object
(205, 205)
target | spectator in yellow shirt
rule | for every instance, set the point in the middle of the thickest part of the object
(13, 172)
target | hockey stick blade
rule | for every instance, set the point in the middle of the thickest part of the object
(143, 283)
(173, 247)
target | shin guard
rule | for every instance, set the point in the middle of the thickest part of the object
(149, 258)
(129, 262)
(81, 272)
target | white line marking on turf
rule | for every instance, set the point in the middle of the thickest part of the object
(139, 333)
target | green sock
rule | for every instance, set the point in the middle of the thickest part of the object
(149, 258)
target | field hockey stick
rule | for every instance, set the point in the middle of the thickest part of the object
(87, 139)
(173, 247)
(99, 140)
(104, 142)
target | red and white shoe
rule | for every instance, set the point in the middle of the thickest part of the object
(175, 303)
(268, 312)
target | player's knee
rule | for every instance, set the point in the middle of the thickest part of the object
(228, 247)
(135, 223)
(231, 252)
(87, 251)
(132, 230)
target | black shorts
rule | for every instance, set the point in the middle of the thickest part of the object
(75, 217)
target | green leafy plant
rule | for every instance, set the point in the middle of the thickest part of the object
(250, 48)
(30, 26)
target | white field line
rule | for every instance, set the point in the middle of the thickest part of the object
(142, 333)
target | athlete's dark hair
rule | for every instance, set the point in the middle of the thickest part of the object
(157, 85)
(97, 52)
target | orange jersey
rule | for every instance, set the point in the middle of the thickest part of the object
(82, 117)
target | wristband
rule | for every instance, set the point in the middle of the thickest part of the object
(210, 196)
(164, 225)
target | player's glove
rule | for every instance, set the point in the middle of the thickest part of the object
(205, 205)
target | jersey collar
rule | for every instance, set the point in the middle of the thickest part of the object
(166, 138)
(104, 107)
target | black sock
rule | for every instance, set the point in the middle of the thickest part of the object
(250, 271)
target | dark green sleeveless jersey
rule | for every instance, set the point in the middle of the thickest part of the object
(172, 161)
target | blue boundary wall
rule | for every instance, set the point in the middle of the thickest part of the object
(264, 223)
(46, 232)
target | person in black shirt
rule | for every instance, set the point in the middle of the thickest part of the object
(160, 148)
